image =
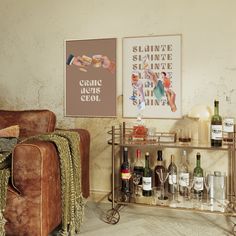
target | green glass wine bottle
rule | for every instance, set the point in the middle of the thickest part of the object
(147, 178)
(198, 176)
(216, 127)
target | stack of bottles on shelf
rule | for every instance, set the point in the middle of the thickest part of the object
(177, 179)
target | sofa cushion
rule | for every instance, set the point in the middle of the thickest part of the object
(31, 122)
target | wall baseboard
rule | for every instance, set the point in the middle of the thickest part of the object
(98, 196)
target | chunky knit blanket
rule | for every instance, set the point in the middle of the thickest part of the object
(67, 144)
(5, 162)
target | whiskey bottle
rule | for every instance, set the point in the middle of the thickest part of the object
(216, 127)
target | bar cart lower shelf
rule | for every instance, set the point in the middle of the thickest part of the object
(120, 137)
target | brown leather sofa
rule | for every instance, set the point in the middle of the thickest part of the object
(34, 200)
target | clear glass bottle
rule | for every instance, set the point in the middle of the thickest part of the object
(216, 127)
(183, 175)
(198, 176)
(147, 178)
(138, 165)
(228, 129)
(172, 169)
(228, 122)
(160, 166)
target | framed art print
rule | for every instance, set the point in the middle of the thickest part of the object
(90, 78)
(152, 76)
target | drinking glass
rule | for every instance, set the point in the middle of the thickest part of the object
(163, 176)
(189, 187)
(175, 182)
(207, 186)
(136, 180)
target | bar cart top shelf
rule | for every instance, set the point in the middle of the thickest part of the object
(124, 136)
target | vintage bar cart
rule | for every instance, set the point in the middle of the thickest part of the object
(121, 136)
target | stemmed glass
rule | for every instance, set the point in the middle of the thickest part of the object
(136, 180)
(163, 176)
(175, 182)
(207, 185)
(189, 187)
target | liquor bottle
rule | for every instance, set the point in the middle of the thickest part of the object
(172, 169)
(138, 165)
(125, 173)
(160, 166)
(183, 175)
(147, 178)
(216, 127)
(198, 176)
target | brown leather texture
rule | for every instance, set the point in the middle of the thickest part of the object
(36, 208)
(34, 199)
(31, 122)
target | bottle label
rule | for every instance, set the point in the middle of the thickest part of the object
(216, 132)
(125, 175)
(184, 179)
(198, 183)
(172, 179)
(228, 125)
(147, 183)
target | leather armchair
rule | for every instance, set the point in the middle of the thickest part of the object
(33, 199)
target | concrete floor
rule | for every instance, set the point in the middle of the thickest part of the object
(145, 221)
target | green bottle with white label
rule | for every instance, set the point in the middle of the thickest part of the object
(216, 127)
(198, 176)
(147, 178)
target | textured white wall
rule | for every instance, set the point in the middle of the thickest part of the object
(31, 57)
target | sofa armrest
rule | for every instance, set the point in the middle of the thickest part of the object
(36, 175)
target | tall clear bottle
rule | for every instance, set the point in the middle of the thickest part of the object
(172, 169)
(216, 127)
(147, 178)
(228, 122)
(160, 166)
(198, 176)
(138, 165)
(183, 175)
(125, 174)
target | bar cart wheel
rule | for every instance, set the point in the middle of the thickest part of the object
(234, 230)
(112, 216)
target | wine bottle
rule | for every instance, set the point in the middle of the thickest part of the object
(138, 165)
(198, 176)
(125, 173)
(183, 175)
(228, 130)
(216, 127)
(147, 178)
(160, 166)
(172, 169)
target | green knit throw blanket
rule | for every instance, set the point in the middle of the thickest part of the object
(4, 177)
(67, 144)
(6, 146)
